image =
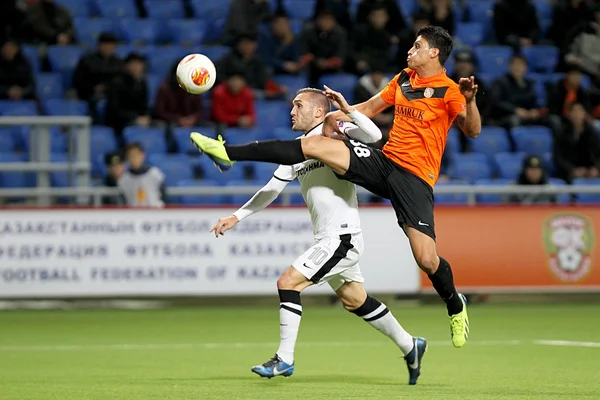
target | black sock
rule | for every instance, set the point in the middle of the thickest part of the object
(443, 283)
(285, 152)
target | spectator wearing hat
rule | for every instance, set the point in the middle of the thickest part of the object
(368, 86)
(16, 75)
(127, 96)
(577, 147)
(568, 91)
(233, 102)
(371, 42)
(95, 70)
(116, 167)
(142, 185)
(50, 23)
(533, 173)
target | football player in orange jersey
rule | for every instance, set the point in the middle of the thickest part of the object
(426, 103)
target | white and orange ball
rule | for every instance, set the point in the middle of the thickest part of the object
(196, 73)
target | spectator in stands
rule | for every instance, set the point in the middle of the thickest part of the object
(396, 24)
(279, 47)
(371, 42)
(566, 16)
(567, 92)
(577, 147)
(233, 102)
(12, 21)
(516, 23)
(16, 75)
(50, 23)
(464, 67)
(127, 96)
(584, 49)
(116, 168)
(340, 10)
(369, 85)
(407, 39)
(324, 47)
(142, 185)
(533, 173)
(440, 13)
(177, 107)
(514, 101)
(95, 70)
(245, 16)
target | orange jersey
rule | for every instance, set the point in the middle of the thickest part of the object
(425, 108)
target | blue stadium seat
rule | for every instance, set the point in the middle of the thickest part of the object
(451, 198)
(470, 33)
(482, 11)
(77, 8)
(153, 81)
(49, 85)
(292, 82)
(299, 9)
(18, 107)
(297, 26)
(264, 171)
(209, 171)
(561, 198)
(470, 166)
(161, 58)
(182, 138)
(152, 139)
(532, 140)
(587, 198)
(165, 9)
(487, 79)
(140, 31)
(548, 160)
(493, 59)
(543, 9)
(245, 135)
(215, 53)
(492, 140)
(8, 141)
(187, 32)
(102, 142)
(59, 140)
(285, 133)
(453, 141)
(175, 167)
(66, 107)
(64, 59)
(62, 178)
(342, 82)
(210, 10)
(272, 114)
(124, 50)
(509, 165)
(116, 9)
(492, 198)
(408, 7)
(15, 179)
(213, 199)
(239, 199)
(215, 32)
(32, 54)
(542, 58)
(88, 29)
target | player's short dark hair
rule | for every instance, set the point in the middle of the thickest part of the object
(438, 38)
(318, 95)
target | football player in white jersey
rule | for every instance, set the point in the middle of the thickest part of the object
(333, 209)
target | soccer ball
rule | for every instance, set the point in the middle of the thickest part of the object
(196, 73)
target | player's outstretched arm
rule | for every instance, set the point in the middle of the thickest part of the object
(469, 120)
(369, 108)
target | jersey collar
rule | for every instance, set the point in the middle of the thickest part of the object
(313, 128)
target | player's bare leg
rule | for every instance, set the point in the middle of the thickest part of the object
(440, 274)
(355, 299)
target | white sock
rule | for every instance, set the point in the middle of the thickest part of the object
(290, 314)
(379, 316)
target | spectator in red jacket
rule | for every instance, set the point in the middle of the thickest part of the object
(176, 106)
(233, 102)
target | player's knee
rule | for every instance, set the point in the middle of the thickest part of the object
(428, 261)
(285, 282)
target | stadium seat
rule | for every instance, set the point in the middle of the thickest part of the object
(492, 198)
(59, 140)
(182, 138)
(209, 171)
(18, 107)
(153, 81)
(175, 167)
(297, 26)
(548, 160)
(264, 171)
(102, 139)
(469, 33)
(564, 198)
(299, 9)
(493, 60)
(272, 114)
(64, 59)
(543, 9)
(342, 82)
(451, 198)
(285, 133)
(215, 32)
(66, 107)
(210, 10)
(215, 53)
(116, 9)
(152, 139)
(162, 58)
(124, 50)
(8, 141)
(542, 58)
(165, 9)
(49, 85)
(492, 140)
(187, 32)
(587, 198)
(140, 31)
(470, 166)
(88, 29)
(239, 199)
(532, 140)
(212, 199)
(482, 11)
(15, 179)
(453, 141)
(62, 178)
(246, 135)
(77, 8)
(32, 54)
(509, 165)
(292, 82)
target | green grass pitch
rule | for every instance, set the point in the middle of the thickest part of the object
(206, 353)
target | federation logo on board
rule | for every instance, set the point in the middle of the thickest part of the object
(428, 92)
(569, 240)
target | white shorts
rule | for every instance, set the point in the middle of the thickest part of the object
(333, 259)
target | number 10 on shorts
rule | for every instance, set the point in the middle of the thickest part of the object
(360, 149)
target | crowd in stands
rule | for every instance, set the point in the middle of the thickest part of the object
(537, 64)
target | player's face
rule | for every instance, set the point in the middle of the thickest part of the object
(303, 113)
(420, 54)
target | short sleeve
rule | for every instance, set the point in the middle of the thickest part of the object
(388, 94)
(455, 102)
(285, 173)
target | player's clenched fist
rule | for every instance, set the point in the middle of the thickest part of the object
(223, 225)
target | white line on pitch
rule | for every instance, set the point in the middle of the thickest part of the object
(233, 345)
(566, 343)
